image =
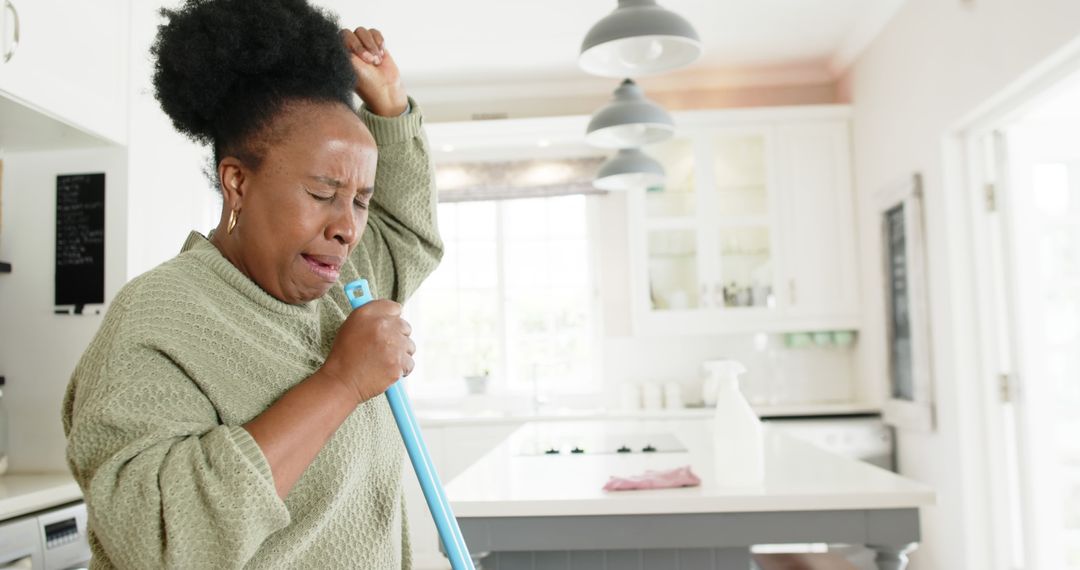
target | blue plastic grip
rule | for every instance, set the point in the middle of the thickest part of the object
(449, 532)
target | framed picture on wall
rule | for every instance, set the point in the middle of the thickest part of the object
(910, 402)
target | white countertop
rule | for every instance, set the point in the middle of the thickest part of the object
(22, 494)
(799, 477)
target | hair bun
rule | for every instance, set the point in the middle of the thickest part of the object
(224, 67)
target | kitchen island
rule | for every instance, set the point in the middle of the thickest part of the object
(524, 506)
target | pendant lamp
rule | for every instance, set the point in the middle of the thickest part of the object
(639, 38)
(630, 120)
(629, 169)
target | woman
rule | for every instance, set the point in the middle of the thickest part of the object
(227, 414)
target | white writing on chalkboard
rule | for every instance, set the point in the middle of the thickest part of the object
(80, 239)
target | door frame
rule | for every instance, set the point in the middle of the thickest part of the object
(972, 152)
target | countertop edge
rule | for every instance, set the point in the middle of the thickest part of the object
(483, 509)
(28, 493)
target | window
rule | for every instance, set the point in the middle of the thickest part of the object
(513, 298)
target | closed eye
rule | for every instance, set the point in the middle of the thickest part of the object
(363, 197)
(320, 197)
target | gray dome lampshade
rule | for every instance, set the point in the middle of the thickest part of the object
(630, 120)
(639, 38)
(629, 169)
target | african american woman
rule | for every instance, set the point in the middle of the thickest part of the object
(227, 415)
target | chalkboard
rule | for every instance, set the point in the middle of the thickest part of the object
(900, 357)
(80, 240)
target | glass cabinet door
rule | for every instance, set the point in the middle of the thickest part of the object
(672, 238)
(744, 268)
(739, 176)
(676, 198)
(739, 215)
(673, 270)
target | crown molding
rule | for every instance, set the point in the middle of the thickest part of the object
(863, 34)
(575, 84)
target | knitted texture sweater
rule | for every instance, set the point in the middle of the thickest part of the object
(192, 350)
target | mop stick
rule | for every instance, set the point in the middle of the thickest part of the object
(449, 532)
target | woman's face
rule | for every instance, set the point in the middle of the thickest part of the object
(303, 210)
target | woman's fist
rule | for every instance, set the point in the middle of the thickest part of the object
(378, 82)
(372, 350)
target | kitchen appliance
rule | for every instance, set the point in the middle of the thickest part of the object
(54, 539)
(864, 436)
(565, 444)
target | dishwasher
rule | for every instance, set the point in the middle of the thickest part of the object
(865, 437)
(53, 539)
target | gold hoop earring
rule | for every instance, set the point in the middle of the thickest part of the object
(232, 222)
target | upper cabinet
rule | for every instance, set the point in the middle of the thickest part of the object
(68, 60)
(753, 230)
(818, 276)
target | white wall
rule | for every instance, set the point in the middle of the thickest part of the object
(39, 349)
(935, 63)
(169, 194)
(155, 194)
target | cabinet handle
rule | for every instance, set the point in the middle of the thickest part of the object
(10, 53)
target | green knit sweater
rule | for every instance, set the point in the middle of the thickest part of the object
(192, 350)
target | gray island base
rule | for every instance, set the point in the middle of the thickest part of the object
(697, 541)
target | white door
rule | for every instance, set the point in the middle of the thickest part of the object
(1038, 277)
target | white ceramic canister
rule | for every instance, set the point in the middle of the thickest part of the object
(651, 396)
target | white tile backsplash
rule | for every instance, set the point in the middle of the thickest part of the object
(775, 374)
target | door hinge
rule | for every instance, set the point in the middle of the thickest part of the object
(1005, 388)
(990, 197)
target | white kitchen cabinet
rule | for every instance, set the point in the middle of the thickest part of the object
(753, 230)
(818, 276)
(70, 61)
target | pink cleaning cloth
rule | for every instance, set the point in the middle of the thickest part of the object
(679, 477)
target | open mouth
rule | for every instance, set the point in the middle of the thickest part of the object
(326, 268)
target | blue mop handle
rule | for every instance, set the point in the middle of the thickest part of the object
(449, 532)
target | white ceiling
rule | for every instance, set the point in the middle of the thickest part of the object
(440, 43)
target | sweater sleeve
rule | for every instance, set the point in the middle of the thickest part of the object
(401, 244)
(166, 485)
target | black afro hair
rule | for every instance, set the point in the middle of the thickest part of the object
(225, 68)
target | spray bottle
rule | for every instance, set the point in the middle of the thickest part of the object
(738, 442)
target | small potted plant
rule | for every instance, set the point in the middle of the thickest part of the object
(477, 383)
(479, 371)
